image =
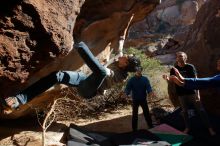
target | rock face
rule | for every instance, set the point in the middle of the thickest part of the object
(36, 36)
(174, 13)
(180, 13)
(170, 19)
(32, 34)
(203, 48)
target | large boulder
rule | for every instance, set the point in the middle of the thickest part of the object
(36, 36)
(179, 13)
(173, 13)
(33, 33)
(203, 47)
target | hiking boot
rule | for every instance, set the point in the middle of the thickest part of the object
(11, 103)
(186, 130)
(211, 132)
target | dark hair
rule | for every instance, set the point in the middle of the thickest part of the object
(133, 63)
(138, 68)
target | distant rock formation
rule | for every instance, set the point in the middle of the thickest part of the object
(170, 19)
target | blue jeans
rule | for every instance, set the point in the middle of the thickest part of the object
(86, 85)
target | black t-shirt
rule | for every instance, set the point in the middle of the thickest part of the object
(188, 71)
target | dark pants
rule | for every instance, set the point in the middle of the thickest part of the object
(146, 113)
(86, 85)
(187, 100)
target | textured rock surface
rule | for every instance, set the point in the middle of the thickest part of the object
(36, 36)
(203, 48)
(180, 13)
(32, 34)
(172, 18)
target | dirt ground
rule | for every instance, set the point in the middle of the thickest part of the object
(27, 132)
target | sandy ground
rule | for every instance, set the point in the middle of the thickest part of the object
(28, 132)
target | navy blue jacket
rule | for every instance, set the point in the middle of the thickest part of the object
(139, 87)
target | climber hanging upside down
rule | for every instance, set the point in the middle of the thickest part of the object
(87, 85)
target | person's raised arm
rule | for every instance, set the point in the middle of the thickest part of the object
(174, 79)
(178, 75)
(123, 35)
